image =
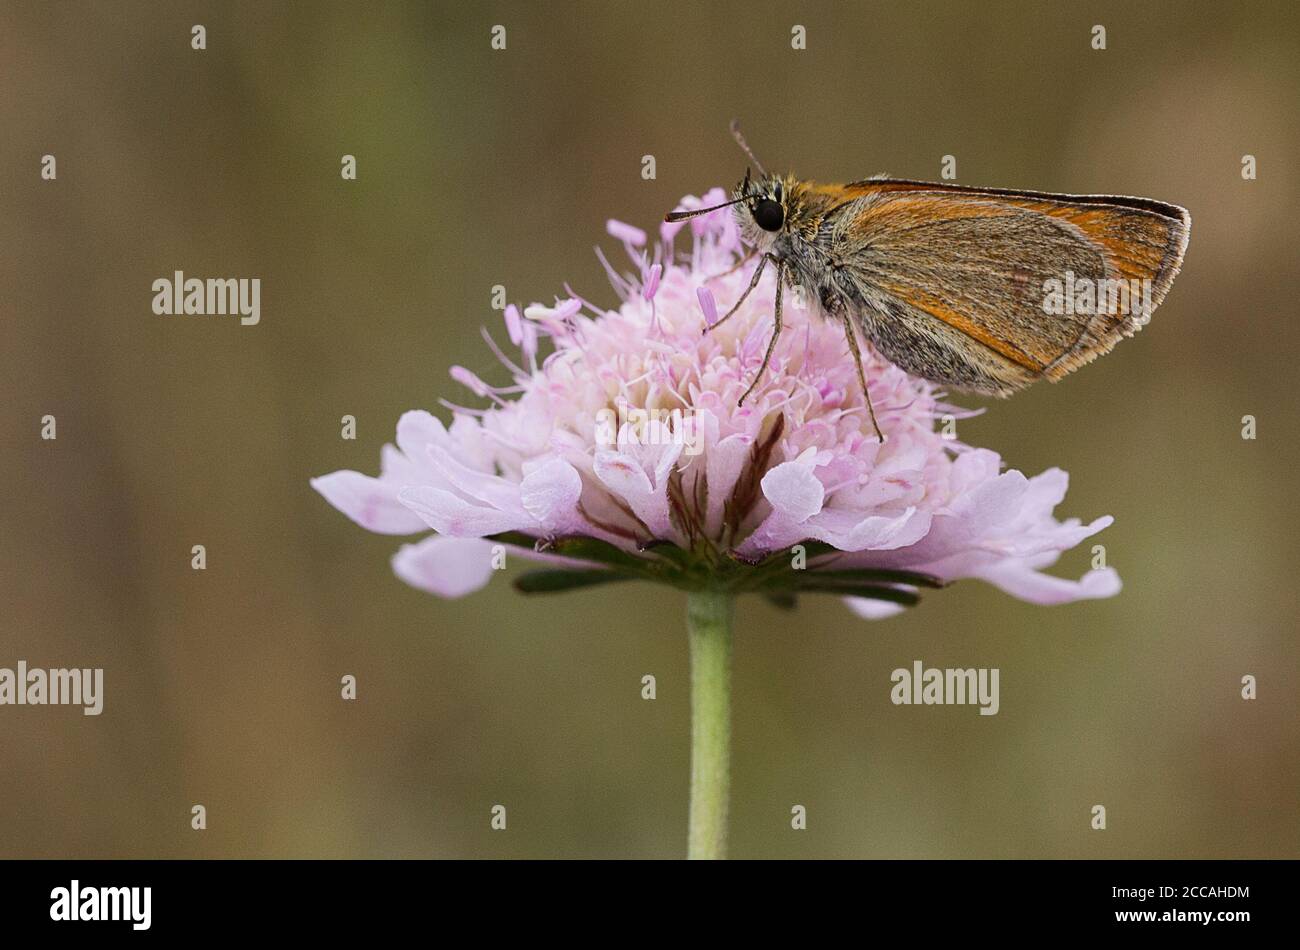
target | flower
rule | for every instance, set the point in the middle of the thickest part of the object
(624, 453)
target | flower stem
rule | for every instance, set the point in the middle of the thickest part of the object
(708, 619)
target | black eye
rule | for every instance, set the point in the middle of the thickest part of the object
(768, 215)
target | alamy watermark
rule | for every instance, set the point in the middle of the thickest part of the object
(920, 686)
(53, 687)
(215, 296)
(75, 902)
(1082, 295)
(627, 424)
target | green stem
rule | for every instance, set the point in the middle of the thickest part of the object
(708, 619)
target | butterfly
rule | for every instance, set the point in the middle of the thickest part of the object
(984, 290)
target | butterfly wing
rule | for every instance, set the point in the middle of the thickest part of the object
(956, 284)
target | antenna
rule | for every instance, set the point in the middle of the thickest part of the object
(744, 146)
(683, 215)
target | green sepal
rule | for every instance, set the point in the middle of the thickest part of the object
(595, 550)
(873, 575)
(557, 580)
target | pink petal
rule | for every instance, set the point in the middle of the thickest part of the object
(1038, 588)
(875, 532)
(492, 490)
(449, 514)
(724, 461)
(369, 502)
(416, 431)
(396, 469)
(448, 567)
(624, 477)
(794, 490)
(550, 491)
(869, 609)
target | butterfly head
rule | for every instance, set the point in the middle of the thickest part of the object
(762, 209)
(765, 207)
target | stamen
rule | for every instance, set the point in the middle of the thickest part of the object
(625, 232)
(505, 361)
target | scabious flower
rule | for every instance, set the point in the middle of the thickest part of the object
(623, 453)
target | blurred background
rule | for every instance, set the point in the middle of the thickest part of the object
(479, 167)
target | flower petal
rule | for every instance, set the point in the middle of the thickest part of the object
(448, 567)
(492, 490)
(416, 431)
(869, 609)
(370, 502)
(549, 493)
(623, 476)
(449, 514)
(794, 490)
(1038, 588)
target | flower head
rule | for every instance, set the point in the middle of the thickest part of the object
(623, 453)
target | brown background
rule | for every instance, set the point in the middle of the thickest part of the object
(479, 167)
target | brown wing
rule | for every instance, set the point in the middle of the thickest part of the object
(952, 282)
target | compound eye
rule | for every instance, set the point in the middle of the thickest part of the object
(768, 215)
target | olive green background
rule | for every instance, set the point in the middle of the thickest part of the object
(477, 168)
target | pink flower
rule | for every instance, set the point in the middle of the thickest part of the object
(623, 454)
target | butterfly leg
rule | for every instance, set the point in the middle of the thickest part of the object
(776, 331)
(731, 270)
(758, 272)
(862, 376)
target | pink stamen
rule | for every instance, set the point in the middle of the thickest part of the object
(708, 305)
(625, 232)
